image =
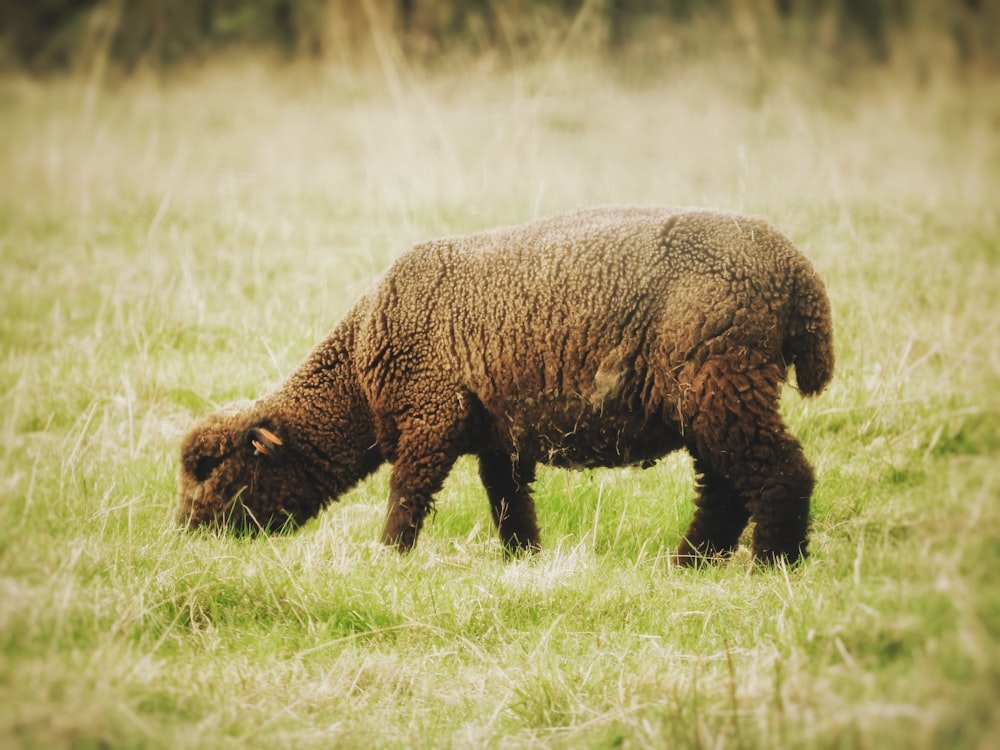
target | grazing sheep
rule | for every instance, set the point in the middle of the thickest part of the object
(601, 337)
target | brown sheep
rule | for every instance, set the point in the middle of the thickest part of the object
(601, 337)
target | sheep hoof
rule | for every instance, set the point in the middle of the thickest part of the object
(700, 555)
(513, 549)
(402, 542)
(774, 558)
(694, 559)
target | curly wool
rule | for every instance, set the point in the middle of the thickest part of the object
(601, 337)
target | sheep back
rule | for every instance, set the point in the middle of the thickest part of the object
(570, 331)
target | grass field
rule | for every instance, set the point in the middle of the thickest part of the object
(167, 246)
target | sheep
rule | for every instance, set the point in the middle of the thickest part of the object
(597, 338)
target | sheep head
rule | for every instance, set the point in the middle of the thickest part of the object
(238, 473)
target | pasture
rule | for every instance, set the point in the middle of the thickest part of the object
(168, 245)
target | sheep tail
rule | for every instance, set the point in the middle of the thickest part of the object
(809, 343)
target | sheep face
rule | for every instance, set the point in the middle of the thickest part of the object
(238, 475)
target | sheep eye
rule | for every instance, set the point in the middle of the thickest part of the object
(205, 466)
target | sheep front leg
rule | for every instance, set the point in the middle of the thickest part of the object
(508, 485)
(416, 479)
(405, 519)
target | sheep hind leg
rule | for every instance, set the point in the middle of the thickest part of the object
(780, 509)
(737, 431)
(507, 481)
(719, 519)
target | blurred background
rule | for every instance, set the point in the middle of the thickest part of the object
(59, 35)
(306, 143)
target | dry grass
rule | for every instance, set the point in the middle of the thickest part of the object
(168, 245)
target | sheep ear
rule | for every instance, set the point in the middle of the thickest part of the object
(264, 442)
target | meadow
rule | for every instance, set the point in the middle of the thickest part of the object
(171, 243)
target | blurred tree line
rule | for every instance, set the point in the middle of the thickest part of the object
(46, 35)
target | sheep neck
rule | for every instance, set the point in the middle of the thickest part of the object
(326, 416)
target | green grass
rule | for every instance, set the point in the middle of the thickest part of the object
(169, 246)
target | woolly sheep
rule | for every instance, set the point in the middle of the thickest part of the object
(596, 338)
